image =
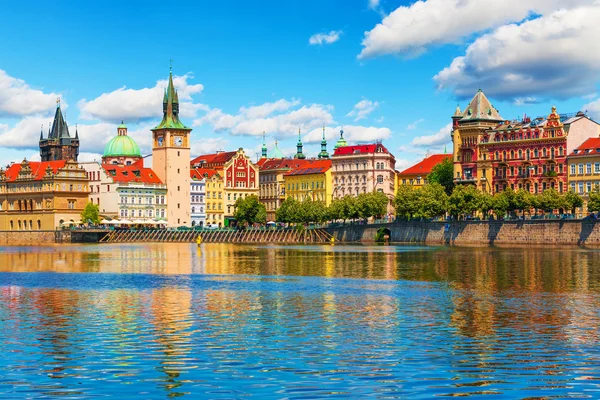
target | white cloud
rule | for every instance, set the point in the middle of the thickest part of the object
(268, 117)
(17, 98)
(133, 105)
(325, 38)
(402, 164)
(352, 133)
(593, 109)
(524, 101)
(410, 30)
(362, 109)
(554, 55)
(208, 146)
(413, 125)
(373, 4)
(438, 138)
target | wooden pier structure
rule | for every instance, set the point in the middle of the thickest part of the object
(220, 236)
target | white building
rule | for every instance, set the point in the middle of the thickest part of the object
(198, 197)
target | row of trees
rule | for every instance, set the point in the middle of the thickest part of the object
(363, 206)
(432, 201)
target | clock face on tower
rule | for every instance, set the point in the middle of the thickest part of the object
(178, 141)
(160, 141)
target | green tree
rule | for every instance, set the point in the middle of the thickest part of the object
(443, 174)
(486, 203)
(249, 210)
(431, 201)
(593, 204)
(372, 204)
(311, 211)
(523, 200)
(464, 201)
(501, 204)
(406, 201)
(90, 214)
(572, 201)
(288, 211)
(551, 200)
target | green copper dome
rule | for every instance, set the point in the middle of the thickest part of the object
(341, 141)
(276, 153)
(121, 146)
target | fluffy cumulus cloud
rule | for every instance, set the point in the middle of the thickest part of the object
(281, 118)
(593, 109)
(18, 99)
(553, 55)
(410, 30)
(325, 38)
(352, 133)
(134, 105)
(439, 138)
(362, 109)
(209, 145)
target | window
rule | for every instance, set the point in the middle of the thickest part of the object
(588, 168)
(573, 167)
(588, 187)
(580, 169)
(379, 178)
(580, 187)
(71, 204)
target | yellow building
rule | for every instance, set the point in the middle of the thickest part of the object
(584, 170)
(310, 181)
(416, 175)
(214, 197)
(42, 195)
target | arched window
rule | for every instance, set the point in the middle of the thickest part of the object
(544, 152)
(39, 225)
(520, 154)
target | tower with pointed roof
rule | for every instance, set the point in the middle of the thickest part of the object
(264, 147)
(468, 129)
(59, 145)
(323, 154)
(299, 154)
(171, 158)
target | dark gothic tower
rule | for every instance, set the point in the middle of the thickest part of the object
(59, 145)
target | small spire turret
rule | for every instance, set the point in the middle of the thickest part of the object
(299, 155)
(264, 147)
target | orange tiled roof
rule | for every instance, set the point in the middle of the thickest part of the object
(131, 173)
(280, 163)
(590, 146)
(38, 169)
(312, 167)
(216, 158)
(201, 173)
(424, 167)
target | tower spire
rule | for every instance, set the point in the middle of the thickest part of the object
(42, 133)
(264, 147)
(171, 106)
(323, 153)
(299, 155)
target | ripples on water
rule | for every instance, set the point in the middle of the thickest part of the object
(298, 322)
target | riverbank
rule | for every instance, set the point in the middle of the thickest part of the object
(538, 232)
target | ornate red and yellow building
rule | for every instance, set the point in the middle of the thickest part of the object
(495, 154)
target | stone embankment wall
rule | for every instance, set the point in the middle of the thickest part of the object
(42, 238)
(478, 232)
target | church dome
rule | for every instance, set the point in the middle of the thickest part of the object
(121, 146)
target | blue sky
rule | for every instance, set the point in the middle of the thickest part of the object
(389, 69)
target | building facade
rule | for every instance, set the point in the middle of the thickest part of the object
(310, 181)
(584, 170)
(272, 187)
(214, 198)
(42, 195)
(241, 180)
(495, 154)
(198, 196)
(59, 145)
(416, 175)
(170, 158)
(363, 169)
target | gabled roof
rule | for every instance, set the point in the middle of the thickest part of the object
(201, 173)
(38, 169)
(282, 163)
(480, 109)
(215, 159)
(359, 149)
(424, 167)
(312, 167)
(589, 147)
(131, 173)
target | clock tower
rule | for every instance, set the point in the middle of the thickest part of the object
(171, 158)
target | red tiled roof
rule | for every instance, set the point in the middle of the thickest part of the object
(312, 167)
(281, 163)
(216, 158)
(359, 149)
(38, 169)
(425, 166)
(590, 146)
(200, 173)
(131, 173)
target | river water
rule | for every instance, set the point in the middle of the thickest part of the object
(231, 321)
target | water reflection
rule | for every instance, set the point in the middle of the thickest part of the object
(225, 321)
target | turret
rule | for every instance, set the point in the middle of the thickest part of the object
(323, 153)
(299, 155)
(264, 147)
